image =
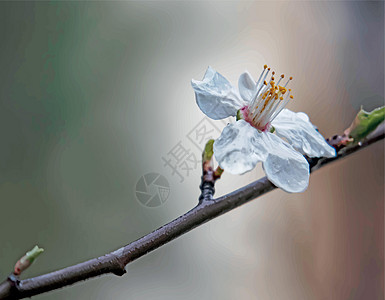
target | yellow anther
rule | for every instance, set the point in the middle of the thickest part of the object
(280, 98)
(291, 96)
(272, 78)
(265, 83)
(289, 90)
(282, 89)
(291, 78)
(265, 66)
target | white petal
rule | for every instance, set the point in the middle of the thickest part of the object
(239, 148)
(215, 96)
(301, 134)
(303, 116)
(285, 167)
(246, 86)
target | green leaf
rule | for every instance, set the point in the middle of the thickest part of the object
(365, 123)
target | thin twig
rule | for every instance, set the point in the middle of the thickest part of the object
(115, 262)
(208, 181)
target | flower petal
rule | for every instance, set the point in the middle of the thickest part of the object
(247, 86)
(285, 167)
(301, 134)
(239, 148)
(215, 96)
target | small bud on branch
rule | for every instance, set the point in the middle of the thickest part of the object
(364, 123)
(27, 260)
(208, 151)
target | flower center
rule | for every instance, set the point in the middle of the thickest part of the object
(268, 101)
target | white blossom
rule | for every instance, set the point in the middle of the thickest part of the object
(260, 106)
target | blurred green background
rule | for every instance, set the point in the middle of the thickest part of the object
(94, 94)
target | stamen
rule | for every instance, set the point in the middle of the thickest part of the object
(266, 107)
(255, 110)
(282, 91)
(269, 100)
(272, 75)
(282, 76)
(282, 106)
(291, 78)
(272, 96)
(265, 114)
(260, 76)
(258, 91)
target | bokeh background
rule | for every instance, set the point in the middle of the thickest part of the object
(94, 94)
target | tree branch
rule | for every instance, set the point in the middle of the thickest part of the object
(207, 209)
